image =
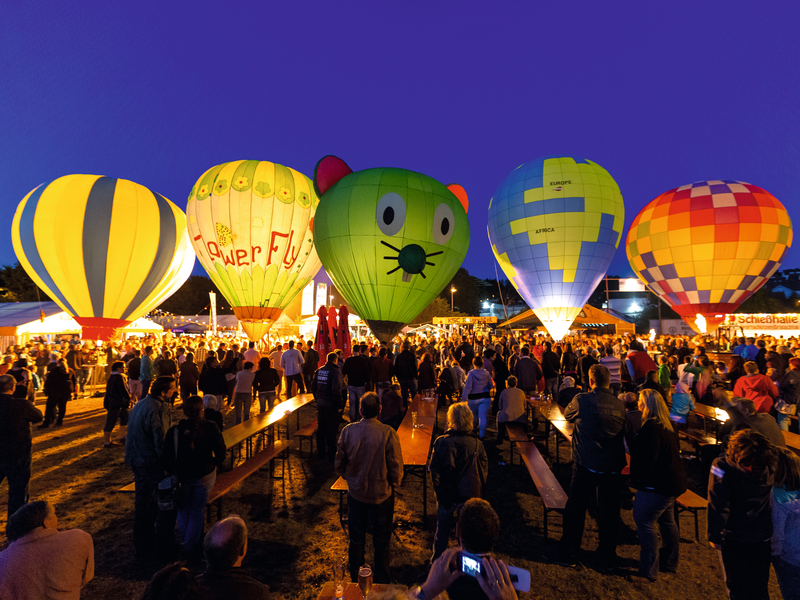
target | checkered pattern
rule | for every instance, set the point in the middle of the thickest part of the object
(554, 225)
(706, 247)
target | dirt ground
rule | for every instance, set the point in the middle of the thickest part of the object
(294, 530)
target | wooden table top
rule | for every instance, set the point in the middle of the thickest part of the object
(417, 442)
(353, 592)
(792, 440)
(246, 429)
(709, 412)
(553, 413)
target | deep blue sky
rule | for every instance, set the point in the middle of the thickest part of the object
(660, 94)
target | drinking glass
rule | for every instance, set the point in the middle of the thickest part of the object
(339, 577)
(414, 419)
(365, 580)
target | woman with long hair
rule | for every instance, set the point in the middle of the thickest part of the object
(659, 477)
(569, 362)
(735, 370)
(426, 375)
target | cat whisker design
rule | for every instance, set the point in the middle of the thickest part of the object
(390, 246)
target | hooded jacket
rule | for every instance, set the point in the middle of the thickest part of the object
(738, 504)
(758, 388)
(786, 525)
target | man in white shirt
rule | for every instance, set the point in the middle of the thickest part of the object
(252, 355)
(292, 364)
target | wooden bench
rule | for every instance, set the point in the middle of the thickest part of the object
(517, 435)
(307, 433)
(554, 498)
(691, 502)
(340, 486)
(229, 480)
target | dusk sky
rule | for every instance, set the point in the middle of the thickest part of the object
(660, 94)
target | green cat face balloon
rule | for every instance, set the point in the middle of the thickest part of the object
(390, 239)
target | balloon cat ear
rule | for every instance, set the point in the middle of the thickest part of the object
(459, 193)
(328, 171)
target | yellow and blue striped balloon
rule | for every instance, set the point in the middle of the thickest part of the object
(106, 250)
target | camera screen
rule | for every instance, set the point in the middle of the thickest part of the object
(470, 566)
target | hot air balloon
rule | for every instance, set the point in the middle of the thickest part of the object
(390, 239)
(106, 250)
(554, 225)
(250, 224)
(705, 247)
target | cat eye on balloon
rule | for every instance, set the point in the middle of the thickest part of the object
(443, 223)
(391, 213)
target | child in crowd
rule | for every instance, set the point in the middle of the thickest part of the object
(786, 523)
(682, 404)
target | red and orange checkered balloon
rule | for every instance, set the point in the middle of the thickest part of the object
(706, 247)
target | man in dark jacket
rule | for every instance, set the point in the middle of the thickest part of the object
(16, 416)
(551, 365)
(789, 392)
(527, 372)
(310, 363)
(405, 369)
(144, 444)
(464, 354)
(357, 370)
(598, 455)
(586, 362)
(327, 386)
(58, 387)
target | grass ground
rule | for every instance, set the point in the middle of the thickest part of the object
(294, 530)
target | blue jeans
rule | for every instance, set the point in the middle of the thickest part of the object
(18, 472)
(241, 402)
(381, 515)
(407, 386)
(355, 393)
(551, 387)
(194, 495)
(266, 399)
(788, 578)
(480, 412)
(783, 421)
(650, 508)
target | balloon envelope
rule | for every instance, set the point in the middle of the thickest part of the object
(554, 225)
(106, 250)
(390, 239)
(707, 246)
(250, 224)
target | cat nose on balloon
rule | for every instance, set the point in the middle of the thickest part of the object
(412, 259)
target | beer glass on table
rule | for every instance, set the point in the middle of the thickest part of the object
(414, 419)
(365, 580)
(339, 577)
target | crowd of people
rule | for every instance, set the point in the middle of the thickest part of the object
(628, 399)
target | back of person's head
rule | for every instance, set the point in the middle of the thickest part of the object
(600, 375)
(193, 407)
(332, 357)
(224, 543)
(27, 518)
(118, 366)
(212, 401)
(750, 367)
(548, 346)
(370, 405)
(406, 345)
(173, 582)
(511, 381)
(655, 408)
(687, 360)
(567, 383)
(526, 351)
(459, 417)
(750, 450)
(161, 385)
(746, 406)
(662, 360)
(630, 399)
(210, 361)
(477, 362)
(787, 470)
(251, 344)
(478, 526)
(651, 375)
(247, 366)
(7, 384)
(291, 344)
(264, 363)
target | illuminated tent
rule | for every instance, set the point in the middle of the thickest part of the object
(554, 225)
(390, 239)
(588, 317)
(250, 224)
(706, 247)
(106, 250)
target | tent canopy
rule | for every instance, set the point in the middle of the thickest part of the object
(589, 318)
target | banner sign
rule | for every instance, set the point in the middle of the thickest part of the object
(463, 320)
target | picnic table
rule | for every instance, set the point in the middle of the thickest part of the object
(353, 592)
